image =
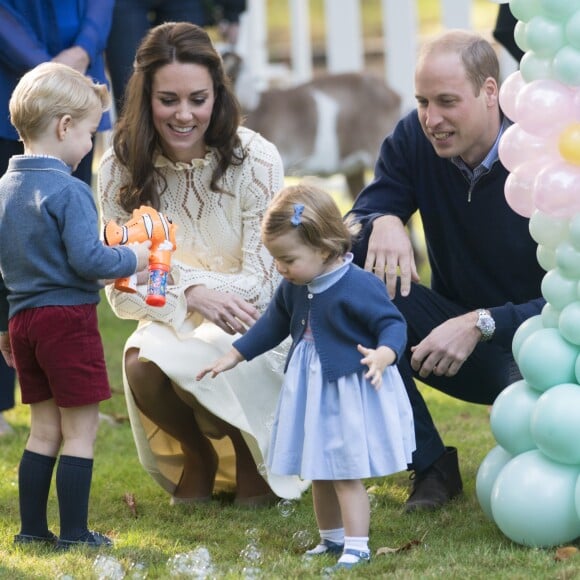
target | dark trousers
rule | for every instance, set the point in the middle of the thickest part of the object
(132, 19)
(488, 370)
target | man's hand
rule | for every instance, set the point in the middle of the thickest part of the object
(228, 311)
(446, 347)
(390, 250)
(75, 57)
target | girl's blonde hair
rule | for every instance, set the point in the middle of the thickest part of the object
(50, 91)
(313, 215)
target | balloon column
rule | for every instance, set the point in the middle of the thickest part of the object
(529, 484)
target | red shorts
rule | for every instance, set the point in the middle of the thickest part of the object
(59, 355)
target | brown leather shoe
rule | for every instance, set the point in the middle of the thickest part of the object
(437, 485)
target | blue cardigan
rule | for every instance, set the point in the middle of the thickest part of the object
(355, 310)
(480, 251)
(50, 251)
(34, 31)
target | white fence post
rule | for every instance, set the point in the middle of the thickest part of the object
(301, 44)
(400, 48)
(344, 49)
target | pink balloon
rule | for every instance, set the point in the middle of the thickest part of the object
(508, 93)
(519, 188)
(517, 147)
(557, 189)
(544, 107)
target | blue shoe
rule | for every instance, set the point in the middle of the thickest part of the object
(362, 558)
(50, 538)
(91, 539)
(325, 547)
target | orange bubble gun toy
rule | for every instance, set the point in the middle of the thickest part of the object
(145, 224)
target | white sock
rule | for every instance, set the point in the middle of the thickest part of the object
(358, 543)
(336, 536)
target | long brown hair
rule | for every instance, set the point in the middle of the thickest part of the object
(135, 139)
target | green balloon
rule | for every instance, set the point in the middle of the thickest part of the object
(558, 290)
(566, 66)
(549, 230)
(525, 10)
(546, 257)
(533, 501)
(568, 260)
(550, 316)
(573, 30)
(487, 473)
(545, 36)
(547, 359)
(535, 68)
(559, 10)
(520, 35)
(569, 324)
(555, 426)
(525, 329)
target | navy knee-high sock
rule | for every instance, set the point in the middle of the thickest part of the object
(73, 486)
(34, 477)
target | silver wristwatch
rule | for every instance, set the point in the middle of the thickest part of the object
(486, 324)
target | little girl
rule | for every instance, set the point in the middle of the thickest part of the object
(343, 414)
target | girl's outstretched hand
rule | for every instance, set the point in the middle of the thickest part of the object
(377, 360)
(224, 363)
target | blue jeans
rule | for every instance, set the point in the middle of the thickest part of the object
(132, 19)
(481, 378)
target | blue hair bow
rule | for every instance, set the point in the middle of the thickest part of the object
(296, 219)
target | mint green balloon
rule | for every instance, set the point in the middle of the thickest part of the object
(573, 30)
(487, 473)
(559, 10)
(569, 325)
(577, 497)
(525, 329)
(548, 230)
(546, 257)
(510, 417)
(566, 66)
(568, 260)
(558, 290)
(550, 316)
(555, 424)
(533, 501)
(535, 68)
(520, 35)
(545, 37)
(546, 359)
(524, 10)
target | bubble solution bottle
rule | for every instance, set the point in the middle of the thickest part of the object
(159, 264)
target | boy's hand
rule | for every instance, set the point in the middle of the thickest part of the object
(141, 250)
(377, 360)
(224, 363)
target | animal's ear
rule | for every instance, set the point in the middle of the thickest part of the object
(232, 65)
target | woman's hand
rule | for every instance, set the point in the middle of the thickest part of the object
(228, 311)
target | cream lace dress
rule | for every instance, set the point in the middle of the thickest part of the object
(218, 245)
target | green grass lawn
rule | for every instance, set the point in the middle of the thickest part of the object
(457, 542)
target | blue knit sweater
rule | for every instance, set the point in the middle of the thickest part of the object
(354, 310)
(50, 251)
(480, 251)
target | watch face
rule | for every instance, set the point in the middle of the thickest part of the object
(486, 325)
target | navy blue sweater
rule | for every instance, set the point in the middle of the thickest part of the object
(480, 251)
(355, 310)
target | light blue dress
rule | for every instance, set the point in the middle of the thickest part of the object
(345, 429)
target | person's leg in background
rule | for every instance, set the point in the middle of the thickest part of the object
(7, 387)
(8, 148)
